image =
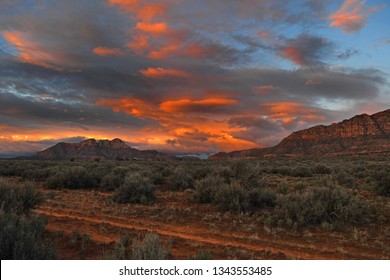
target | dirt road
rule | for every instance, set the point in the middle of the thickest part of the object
(188, 227)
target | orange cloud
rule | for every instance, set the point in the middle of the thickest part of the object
(128, 5)
(293, 54)
(141, 108)
(141, 10)
(264, 89)
(152, 28)
(187, 105)
(29, 51)
(139, 44)
(181, 124)
(160, 73)
(352, 16)
(151, 35)
(150, 10)
(128, 105)
(107, 51)
(196, 50)
(164, 52)
(287, 112)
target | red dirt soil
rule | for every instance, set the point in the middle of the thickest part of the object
(186, 228)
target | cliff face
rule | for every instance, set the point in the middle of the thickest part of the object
(92, 148)
(360, 134)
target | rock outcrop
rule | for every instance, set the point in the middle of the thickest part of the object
(91, 148)
(360, 134)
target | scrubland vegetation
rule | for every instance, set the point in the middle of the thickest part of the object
(276, 194)
(21, 232)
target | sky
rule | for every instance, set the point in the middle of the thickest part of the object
(186, 76)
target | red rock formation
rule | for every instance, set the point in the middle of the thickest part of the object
(360, 134)
(91, 148)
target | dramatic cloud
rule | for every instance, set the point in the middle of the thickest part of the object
(160, 73)
(269, 89)
(182, 76)
(205, 105)
(107, 51)
(307, 50)
(352, 15)
(28, 51)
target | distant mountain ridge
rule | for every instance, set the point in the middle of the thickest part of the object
(360, 134)
(92, 148)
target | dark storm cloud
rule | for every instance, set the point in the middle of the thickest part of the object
(29, 148)
(74, 124)
(87, 84)
(273, 12)
(32, 80)
(258, 129)
(306, 85)
(199, 74)
(253, 121)
(23, 111)
(70, 27)
(252, 44)
(51, 142)
(307, 50)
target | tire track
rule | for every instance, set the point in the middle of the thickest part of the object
(188, 233)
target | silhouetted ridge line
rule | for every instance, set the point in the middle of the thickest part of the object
(361, 134)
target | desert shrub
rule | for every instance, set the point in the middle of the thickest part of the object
(17, 168)
(283, 187)
(4, 168)
(21, 238)
(344, 179)
(202, 255)
(181, 179)
(157, 175)
(282, 170)
(301, 171)
(135, 189)
(202, 172)
(112, 181)
(76, 177)
(245, 173)
(120, 170)
(321, 169)
(166, 170)
(135, 167)
(232, 198)
(239, 167)
(97, 171)
(206, 189)
(154, 175)
(316, 206)
(37, 174)
(225, 172)
(150, 248)
(20, 233)
(18, 198)
(261, 198)
(300, 186)
(382, 181)
(114, 178)
(120, 250)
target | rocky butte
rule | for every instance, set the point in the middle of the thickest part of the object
(361, 134)
(91, 148)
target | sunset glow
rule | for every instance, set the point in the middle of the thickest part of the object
(186, 76)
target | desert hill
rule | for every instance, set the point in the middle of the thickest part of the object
(92, 148)
(358, 135)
